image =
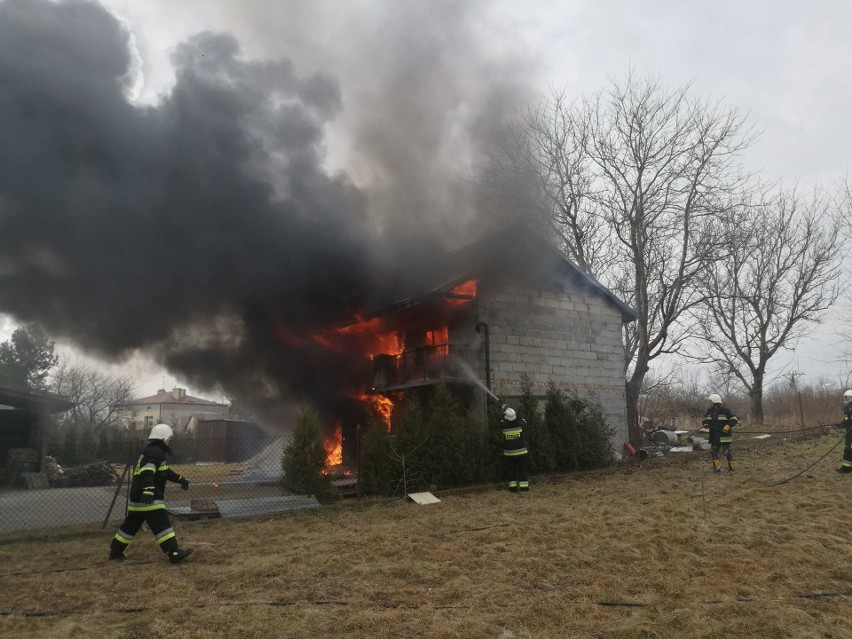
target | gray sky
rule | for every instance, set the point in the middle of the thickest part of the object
(421, 84)
(782, 61)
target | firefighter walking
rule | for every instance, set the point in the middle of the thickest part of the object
(846, 464)
(146, 499)
(719, 420)
(514, 450)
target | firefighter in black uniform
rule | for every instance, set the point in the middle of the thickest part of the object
(515, 450)
(720, 420)
(146, 498)
(846, 464)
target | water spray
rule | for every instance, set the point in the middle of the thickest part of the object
(471, 374)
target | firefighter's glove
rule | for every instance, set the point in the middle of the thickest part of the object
(147, 497)
(727, 428)
(184, 483)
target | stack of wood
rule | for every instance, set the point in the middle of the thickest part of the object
(100, 473)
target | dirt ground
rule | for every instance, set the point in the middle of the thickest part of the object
(666, 550)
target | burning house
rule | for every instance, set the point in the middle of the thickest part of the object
(508, 305)
(255, 270)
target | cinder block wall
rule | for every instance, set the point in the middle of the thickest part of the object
(571, 336)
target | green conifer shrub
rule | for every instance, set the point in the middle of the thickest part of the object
(304, 457)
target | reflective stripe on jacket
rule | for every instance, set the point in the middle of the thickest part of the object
(717, 418)
(514, 443)
(150, 476)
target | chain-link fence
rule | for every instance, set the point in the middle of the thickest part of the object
(229, 477)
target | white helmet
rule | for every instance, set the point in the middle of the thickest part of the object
(161, 431)
(714, 398)
(509, 414)
(847, 395)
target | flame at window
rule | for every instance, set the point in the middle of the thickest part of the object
(334, 448)
(381, 406)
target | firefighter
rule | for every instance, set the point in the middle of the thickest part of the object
(720, 420)
(146, 499)
(514, 450)
(846, 464)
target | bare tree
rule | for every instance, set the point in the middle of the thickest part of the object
(778, 278)
(98, 397)
(668, 167)
(539, 170)
(637, 174)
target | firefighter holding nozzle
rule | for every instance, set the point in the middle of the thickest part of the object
(719, 420)
(514, 450)
(846, 464)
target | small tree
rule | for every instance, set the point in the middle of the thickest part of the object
(436, 442)
(562, 429)
(578, 427)
(376, 475)
(451, 447)
(594, 434)
(542, 456)
(304, 459)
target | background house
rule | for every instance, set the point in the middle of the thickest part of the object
(174, 407)
(509, 305)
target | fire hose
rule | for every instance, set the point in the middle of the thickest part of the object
(784, 481)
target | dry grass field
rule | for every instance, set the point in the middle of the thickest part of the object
(668, 550)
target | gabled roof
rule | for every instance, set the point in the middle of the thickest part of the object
(166, 397)
(516, 248)
(36, 402)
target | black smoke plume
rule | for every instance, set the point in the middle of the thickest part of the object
(203, 228)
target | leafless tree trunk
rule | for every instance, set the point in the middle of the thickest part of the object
(779, 276)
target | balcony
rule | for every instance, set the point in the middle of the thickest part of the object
(420, 367)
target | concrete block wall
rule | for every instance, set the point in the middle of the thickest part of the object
(571, 336)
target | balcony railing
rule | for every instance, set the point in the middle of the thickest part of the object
(424, 365)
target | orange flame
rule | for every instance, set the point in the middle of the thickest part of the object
(381, 405)
(334, 448)
(467, 289)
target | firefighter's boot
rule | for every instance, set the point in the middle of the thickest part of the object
(732, 465)
(177, 556)
(717, 466)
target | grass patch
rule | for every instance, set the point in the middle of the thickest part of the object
(668, 550)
